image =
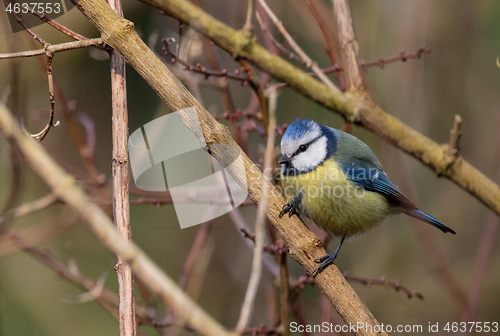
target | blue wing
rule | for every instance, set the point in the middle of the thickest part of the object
(376, 180)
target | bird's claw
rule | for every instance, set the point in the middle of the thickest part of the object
(289, 209)
(324, 262)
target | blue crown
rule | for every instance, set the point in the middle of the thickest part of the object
(299, 127)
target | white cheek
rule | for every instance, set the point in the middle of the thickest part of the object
(310, 159)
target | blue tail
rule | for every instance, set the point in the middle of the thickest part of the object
(415, 213)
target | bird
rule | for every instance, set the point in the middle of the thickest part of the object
(335, 180)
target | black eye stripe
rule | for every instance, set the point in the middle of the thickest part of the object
(298, 151)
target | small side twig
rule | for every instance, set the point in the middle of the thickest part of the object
(53, 48)
(402, 57)
(241, 225)
(41, 135)
(30, 207)
(455, 134)
(279, 46)
(26, 28)
(249, 27)
(383, 282)
(305, 279)
(238, 114)
(198, 68)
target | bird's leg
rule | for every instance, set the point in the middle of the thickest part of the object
(290, 209)
(327, 260)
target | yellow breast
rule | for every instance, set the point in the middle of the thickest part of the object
(333, 202)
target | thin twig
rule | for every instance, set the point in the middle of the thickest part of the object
(403, 56)
(238, 114)
(30, 207)
(41, 135)
(303, 280)
(308, 62)
(199, 241)
(241, 225)
(56, 25)
(69, 107)
(26, 28)
(253, 283)
(53, 48)
(189, 264)
(119, 167)
(279, 46)
(198, 68)
(329, 49)
(249, 27)
(387, 284)
(263, 100)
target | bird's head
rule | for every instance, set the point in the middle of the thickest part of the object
(305, 145)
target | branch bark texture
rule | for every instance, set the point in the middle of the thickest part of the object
(348, 45)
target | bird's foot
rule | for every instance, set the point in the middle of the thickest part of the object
(289, 209)
(324, 262)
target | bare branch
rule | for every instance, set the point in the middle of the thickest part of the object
(53, 48)
(119, 169)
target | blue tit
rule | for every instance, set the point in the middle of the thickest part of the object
(334, 179)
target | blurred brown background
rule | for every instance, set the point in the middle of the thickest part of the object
(460, 76)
